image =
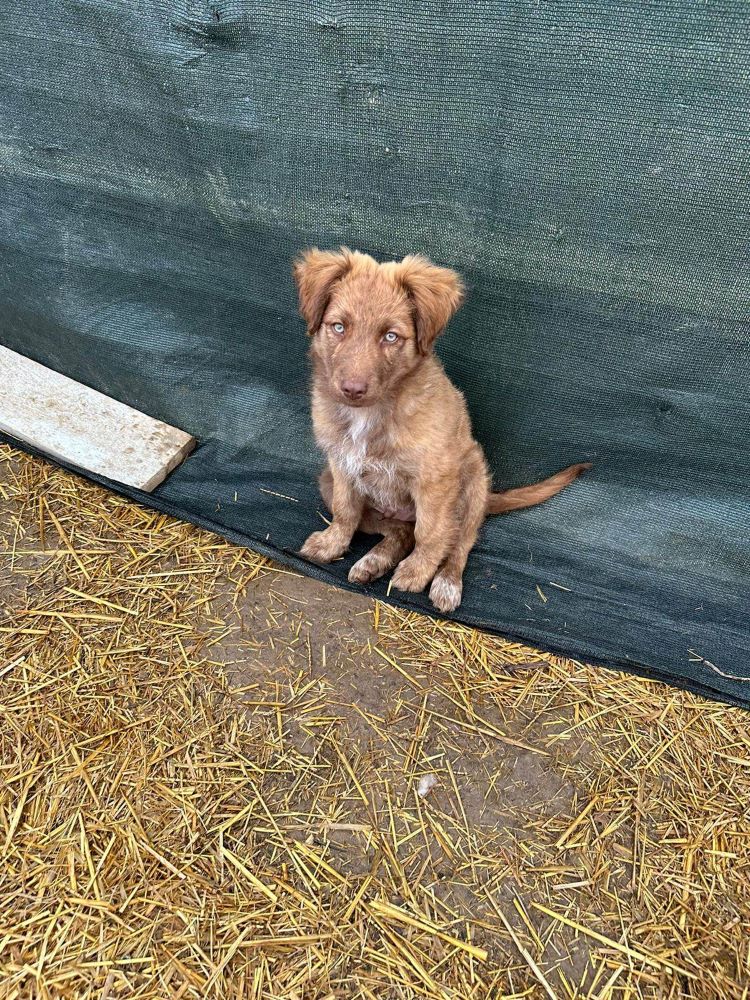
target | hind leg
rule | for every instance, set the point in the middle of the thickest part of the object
(397, 543)
(447, 584)
(325, 485)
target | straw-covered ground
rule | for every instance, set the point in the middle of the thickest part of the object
(221, 780)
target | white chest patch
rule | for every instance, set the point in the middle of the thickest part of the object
(376, 478)
(353, 452)
(362, 423)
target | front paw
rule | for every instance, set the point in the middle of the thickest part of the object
(323, 547)
(445, 593)
(412, 574)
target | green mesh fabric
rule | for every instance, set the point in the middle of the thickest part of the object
(583, 163)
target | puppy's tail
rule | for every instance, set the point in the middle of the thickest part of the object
(528, 496)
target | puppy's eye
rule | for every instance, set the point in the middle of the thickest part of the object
(337, 328)
(390, 337)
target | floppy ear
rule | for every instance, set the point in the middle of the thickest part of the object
(436, 293)
(316, 272)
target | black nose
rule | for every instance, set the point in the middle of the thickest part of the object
(354, 388)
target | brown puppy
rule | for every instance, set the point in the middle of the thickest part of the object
(402, 461)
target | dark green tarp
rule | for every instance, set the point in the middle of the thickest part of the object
(584, 163)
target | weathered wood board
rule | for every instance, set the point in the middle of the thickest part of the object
(85, 428)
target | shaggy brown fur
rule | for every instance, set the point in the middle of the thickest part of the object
(402, 462)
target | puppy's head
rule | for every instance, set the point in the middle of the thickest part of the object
(372, 324)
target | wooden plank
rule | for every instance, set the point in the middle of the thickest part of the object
(85, 428)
